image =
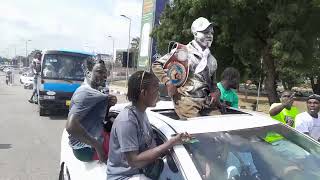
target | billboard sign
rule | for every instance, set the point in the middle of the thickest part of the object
(151, 13)
(146, 28)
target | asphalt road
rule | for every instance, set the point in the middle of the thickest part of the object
(29, 144)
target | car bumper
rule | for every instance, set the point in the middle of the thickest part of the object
(59, 101)
(53, 104)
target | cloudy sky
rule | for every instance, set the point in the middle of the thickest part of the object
(71, 24)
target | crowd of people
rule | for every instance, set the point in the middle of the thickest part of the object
(306, 122)
(129, 148)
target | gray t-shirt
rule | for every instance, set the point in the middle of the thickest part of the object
(129, 133)
(91, 106)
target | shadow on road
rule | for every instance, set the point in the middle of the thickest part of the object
(5, 146)
(60, 115)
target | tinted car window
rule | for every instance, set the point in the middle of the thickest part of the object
(246, 153)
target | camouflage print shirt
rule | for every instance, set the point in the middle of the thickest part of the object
(197, 85)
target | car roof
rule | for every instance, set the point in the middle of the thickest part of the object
(216, 123)
(55, 51)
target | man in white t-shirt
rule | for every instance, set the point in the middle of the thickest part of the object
(309, 122)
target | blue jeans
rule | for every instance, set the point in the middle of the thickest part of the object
(245, 161)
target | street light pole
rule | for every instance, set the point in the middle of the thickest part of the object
(8, 53)
(27, 50)
(128, 53)
(112, 57)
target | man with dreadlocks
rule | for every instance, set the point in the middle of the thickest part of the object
(198, 95)
(229, 82)
(88, 108)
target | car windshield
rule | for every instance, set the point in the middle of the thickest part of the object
(271, 152)
(64, 67)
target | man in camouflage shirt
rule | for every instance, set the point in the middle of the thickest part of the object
(199, 95)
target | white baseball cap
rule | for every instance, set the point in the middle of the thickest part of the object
(200, 24)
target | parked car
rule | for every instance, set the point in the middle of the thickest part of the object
(2, 67)
(216, 150)
(27, 80)
(24, 69)
(6, 69)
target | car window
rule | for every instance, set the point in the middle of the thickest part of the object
(170, 170)
(63, 67)
(247, 153)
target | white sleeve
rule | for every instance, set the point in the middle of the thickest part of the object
(302, 124)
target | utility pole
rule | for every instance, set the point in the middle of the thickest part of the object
(128, 54)
(112, 56)
(27, 50)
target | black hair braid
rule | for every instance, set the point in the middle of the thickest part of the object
(230, 73)
(134, 84)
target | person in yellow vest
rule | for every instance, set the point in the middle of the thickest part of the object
(285, 112)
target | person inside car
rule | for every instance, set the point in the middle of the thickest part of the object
(67, 68)
(132, 146)
(242, 160)
(49, 71)
(309, 122)
(230, 81)
(88, 109)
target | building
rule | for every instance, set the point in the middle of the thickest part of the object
(121, 57)
(105, 57)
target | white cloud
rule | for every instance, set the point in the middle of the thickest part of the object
(67, 24)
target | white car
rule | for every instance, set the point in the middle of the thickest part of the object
(6, 69)
(229, 146)
(27, 79)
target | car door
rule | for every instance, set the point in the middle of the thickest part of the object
(171, 171)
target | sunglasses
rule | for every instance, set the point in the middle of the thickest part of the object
(141, 82)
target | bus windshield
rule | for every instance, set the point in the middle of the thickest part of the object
(63, 66)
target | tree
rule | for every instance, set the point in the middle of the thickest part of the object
(4, 60)
(313, 70)
(289, 77)
(280, 32)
